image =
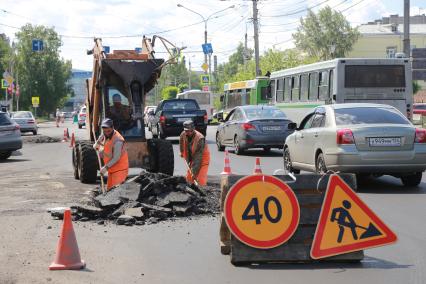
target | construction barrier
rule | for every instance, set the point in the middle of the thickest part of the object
(296, 245)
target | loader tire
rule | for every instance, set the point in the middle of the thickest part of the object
(75, 160)
(164, 157)
(88, 163)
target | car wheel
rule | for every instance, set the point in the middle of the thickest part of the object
(267, 149)
(320, 167)
(219, 145)
(34, 132)
(5, 155)
(80, 126)
(412, 180)
(287, 162)
(237, 146)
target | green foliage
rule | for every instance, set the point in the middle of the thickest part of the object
(416, 87)
(182, 87)
(169, 92)
(5, 53)
(319, 33)
(43, 74)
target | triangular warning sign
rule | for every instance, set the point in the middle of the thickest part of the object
(346, 223)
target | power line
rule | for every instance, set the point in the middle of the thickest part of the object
(295, 12)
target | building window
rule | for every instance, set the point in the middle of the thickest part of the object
(390, 52)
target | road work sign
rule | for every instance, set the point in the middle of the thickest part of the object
(35, 101)
(261, 211)
(346, 224)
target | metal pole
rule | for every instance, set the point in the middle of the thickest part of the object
(210, 71)
(407, 28)
(245, 49)
(205, 42)
(189, 73)
(256, 37)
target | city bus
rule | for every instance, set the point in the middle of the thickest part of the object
(203, 98)
(344, 80)
(250, 92)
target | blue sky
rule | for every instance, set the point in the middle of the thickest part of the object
(116, 21)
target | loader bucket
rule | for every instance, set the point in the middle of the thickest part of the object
(122, 73)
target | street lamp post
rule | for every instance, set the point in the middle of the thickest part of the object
(205, 20)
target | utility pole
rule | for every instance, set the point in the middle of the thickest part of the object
(245, 49)
(407, 28)
(189, 73)
(256, 37)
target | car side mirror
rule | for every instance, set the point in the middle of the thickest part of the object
(292, 126)
(220, 116)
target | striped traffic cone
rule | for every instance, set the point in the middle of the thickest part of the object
(72, 144)
(257, 169)
(65, 138)
(227, 168)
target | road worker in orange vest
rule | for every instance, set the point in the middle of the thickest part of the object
(114, 154)
(194, 150)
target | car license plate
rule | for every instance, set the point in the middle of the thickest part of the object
(271, 128)
(183, 119)
(385, 141)
(417, 116)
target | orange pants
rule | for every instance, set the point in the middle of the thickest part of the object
(202, 175)
(116, 178)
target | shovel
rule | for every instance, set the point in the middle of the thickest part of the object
(370, 231)
(190, 171)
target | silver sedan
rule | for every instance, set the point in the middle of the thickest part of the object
(253, 126)
(26, 121)
(365, 139)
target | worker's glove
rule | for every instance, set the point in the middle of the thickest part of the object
(96, 146)
(104, 170)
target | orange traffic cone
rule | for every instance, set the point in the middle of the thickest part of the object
(257, 169)
(227, 168)
(67, 254)
(65, 138)
(72, 144)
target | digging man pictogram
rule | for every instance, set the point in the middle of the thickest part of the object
(344, 220)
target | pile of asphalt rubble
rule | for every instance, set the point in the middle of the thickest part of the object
(147, 199)
(40, 139)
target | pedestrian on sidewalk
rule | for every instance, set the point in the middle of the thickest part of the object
(195, 152)
(114, 154)
(57, 117)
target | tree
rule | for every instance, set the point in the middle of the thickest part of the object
(5, 52)
(169, 92)
(416, 87)
(325, 35)
(43, 74)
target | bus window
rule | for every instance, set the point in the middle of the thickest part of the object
(295, 87)
(323, 85)
(287, 89)
(313, 86)
(280, 90)
(304, 87)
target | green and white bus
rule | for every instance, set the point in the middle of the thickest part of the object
(250, 92)
(345, 80)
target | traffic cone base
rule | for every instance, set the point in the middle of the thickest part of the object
(72, 144)
(67, 253)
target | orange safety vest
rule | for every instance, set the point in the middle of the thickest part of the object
(205, 160)
(123, 162)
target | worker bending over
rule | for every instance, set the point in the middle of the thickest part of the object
(194, 150)
(114, 154)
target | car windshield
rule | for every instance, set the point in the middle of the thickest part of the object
(22, 114)
(255, 113)
(368, 115)
(179, 105)
(4, 120)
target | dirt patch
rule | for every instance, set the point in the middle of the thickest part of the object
(147, 199)
(40, 139)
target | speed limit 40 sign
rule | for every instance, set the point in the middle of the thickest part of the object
(262, 211)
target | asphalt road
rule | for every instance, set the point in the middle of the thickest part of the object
(185, 251)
